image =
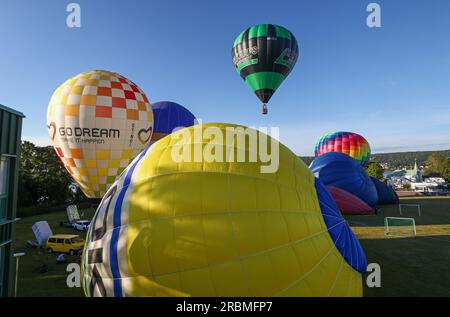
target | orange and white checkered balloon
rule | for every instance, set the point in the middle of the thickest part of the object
(98, 122)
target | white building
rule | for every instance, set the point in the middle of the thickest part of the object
(425, 187)
(437, 180)
(414, 179)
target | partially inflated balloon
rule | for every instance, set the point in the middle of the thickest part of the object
(98, 122)
(168, 117)
(342, 171)
(348, 143)
(386, 194)
(219, 227)
(264, 55)
(348, 203)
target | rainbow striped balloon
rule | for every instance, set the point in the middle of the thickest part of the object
(348, 143)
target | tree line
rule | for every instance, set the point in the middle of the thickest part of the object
(438, 165)
(43, 180)
(407, 159)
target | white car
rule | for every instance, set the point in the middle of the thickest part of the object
(81, 225)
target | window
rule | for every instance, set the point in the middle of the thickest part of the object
(3, 187)
(76, 240)
(3, 174)
(60, 241)
(66, 241)
(52, 240)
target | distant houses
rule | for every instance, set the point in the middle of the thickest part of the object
(414, 181)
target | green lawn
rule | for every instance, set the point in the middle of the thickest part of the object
(52, 283)
(412, 266)
(415, 266)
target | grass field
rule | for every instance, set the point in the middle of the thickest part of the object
(410, 266)
(53, 282)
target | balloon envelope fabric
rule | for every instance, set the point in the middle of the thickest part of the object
(386, 195)
(349, 143)
(348, 203)
(342, 171)
(264, 55)
(169, 116)
(343, 237)
(98, 122)
(211, 228)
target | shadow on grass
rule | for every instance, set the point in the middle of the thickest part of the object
(410, 266)
(416, 266)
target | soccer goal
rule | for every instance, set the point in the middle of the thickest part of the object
(402, 207)
(400, 227)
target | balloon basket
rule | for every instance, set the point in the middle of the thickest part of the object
(264, 109)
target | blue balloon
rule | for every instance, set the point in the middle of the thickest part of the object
(168, 116)
(342, 171)
(343, 237)
(386, 195)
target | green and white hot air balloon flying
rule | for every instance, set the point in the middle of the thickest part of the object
(264, 55)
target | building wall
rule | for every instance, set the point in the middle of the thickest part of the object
(10, 135)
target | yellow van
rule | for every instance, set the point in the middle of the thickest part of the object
(66, 243)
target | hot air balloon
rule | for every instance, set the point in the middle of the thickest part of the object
(348, 143)
(98, 122)
(386, 195)
(342, 171)
(168, 117)
(349, 204)
(219, 228)
(264, 55)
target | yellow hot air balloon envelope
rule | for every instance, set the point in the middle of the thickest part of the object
(98, 122)
(219, 228)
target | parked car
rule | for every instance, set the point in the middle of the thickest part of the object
(66, 243)
(81, 225)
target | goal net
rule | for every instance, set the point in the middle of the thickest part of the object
(400, 227)
(403, 208)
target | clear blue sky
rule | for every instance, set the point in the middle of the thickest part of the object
(390, 84)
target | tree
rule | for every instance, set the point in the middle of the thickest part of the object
(445, 170)
(375, 170)
(437, 164)
(42, 178)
